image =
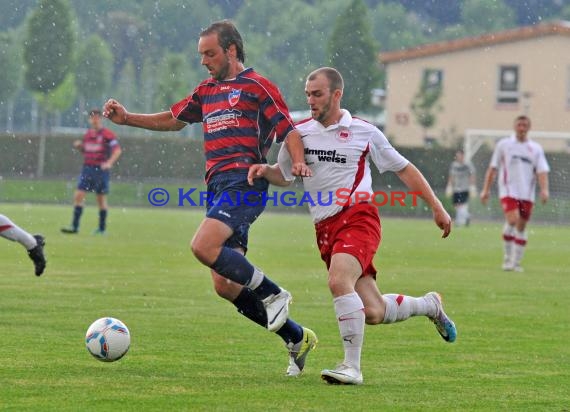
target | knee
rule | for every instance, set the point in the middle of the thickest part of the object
(373, 315)
(337, 285)
(202, 252)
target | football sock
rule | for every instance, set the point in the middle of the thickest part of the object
(249, 305)
(508, 238)
(12, 232)
(519, 245)
(102, 219)
(401, 307)
(77, 211)
(234, 266)
(349, 311)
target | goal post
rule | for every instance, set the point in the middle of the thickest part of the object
(550, 141)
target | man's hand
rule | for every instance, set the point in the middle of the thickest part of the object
(484, 196)
(301, 169)
(544, 196)
(115, 112)
(106, 165)
(442, 220)
(78, 145)
(256, 171)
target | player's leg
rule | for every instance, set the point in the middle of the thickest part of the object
(34, 244)
(103, 208)
(391, 308)
(344, 271)
(511, 213)
(520, 234)
(298, 339)
(101, 187)
(83, 185)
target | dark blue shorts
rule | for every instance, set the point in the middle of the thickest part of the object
(460, 197)
(236, 203)
(94, 179)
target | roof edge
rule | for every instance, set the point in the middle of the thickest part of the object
(521, 33)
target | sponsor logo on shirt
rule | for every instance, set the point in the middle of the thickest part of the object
(326, 155)
(344, 135)
(222, 121)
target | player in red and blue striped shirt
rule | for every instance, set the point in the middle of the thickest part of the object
(241, 114)
(100, 150)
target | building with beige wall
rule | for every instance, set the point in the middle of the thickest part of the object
(486, 82)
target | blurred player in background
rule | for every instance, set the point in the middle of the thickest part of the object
(349, 235)
(34, 244)
(241, 113)
(100, 150)
(460, 187)
(519, 162)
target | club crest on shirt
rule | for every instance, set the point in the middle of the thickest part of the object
(233, 97)
(344, 135)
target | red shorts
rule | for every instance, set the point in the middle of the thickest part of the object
(524, 206)
(355, 231)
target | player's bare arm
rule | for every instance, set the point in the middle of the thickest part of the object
(489, 179)
(543, 185)
(117, 151)
(416, 182)
(297, 152)
(271, 172)
(162, 121)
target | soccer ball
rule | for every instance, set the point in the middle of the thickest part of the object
(108, 339)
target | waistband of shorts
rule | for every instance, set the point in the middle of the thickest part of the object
(332, 218)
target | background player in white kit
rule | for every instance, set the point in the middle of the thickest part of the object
(519, 162)
(460, 187)
(348, 237)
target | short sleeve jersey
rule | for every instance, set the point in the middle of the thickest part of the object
(98, 146)
(461, 173)
(339, 157)
(240, 118)
(517, 164)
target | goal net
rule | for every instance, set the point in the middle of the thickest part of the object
(478, 147)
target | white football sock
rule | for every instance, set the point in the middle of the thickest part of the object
(349, 311)
(12, 232)
(519, 246)
(508, 238)
(401, 307)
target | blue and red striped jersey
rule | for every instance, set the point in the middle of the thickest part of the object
(240, 118)
(98, 146)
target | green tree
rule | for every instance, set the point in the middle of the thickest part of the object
(395, 28)
(485, 16)
(424, 105)
(10, 73)
(172, 81)
(59, 99)
(352, 51)
(48, 55)
(94, 71)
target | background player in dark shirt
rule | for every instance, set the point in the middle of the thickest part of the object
(100, 150)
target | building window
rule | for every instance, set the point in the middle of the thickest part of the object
(508, 92)
(433, 78)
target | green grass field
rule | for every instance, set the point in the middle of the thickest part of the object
(192, 351)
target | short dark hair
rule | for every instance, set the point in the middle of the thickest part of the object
(94, 112)
(228, 34)
(523, 117)
(333, 75)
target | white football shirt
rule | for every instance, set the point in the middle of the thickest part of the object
(517, 164)
(339, 156)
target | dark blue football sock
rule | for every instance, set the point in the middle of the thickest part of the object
(77, 211)
(291, 332)
(234, 266)
(250, 306)
(102, 219)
